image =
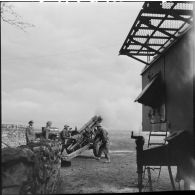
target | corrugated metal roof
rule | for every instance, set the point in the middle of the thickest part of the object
(157, 26)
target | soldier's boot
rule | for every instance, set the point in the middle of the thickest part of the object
(97, 158)
(107, 156)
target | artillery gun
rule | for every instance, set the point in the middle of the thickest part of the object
(83, 140)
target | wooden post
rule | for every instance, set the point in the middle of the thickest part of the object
(171, 177)
(149, 179)
(139, 140)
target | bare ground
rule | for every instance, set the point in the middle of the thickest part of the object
(88, 175)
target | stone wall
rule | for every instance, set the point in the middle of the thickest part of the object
(32, 169)
(13, 136)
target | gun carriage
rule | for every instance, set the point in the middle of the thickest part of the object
(83, 140)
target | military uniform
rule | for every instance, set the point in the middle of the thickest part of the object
(30, 134)
(104, 148)
(63, 135)
(46, 130)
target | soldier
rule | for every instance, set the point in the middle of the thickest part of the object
(64, 134)
(30, 134)
(102, 134)
(46, 130)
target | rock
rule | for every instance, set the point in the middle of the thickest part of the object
(16, 154)
(32, 169)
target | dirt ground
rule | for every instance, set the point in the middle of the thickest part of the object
(88, 175)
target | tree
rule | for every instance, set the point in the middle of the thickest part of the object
(9, 16)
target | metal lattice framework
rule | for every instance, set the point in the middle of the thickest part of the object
(156, 27)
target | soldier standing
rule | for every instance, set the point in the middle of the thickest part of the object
(102, 134)
(46, 130)
(30, 134)
(64, 134)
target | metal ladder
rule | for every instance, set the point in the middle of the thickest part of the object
(159, 130)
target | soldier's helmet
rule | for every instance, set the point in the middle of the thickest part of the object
(49, 123)
(31, 122)
(66, 126)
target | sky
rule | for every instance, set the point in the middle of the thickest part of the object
(66, 68)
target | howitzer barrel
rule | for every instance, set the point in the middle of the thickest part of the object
(92, 123)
